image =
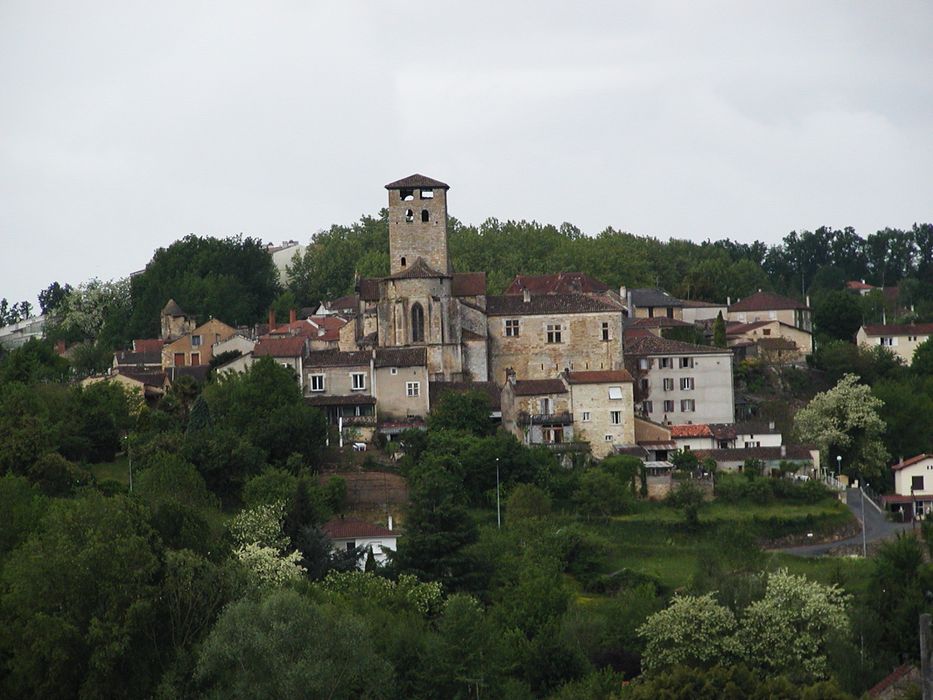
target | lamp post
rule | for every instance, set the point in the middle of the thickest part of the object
(838, 466)
(498, 505)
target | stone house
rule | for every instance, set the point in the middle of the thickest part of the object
(537, 411)
(175, 322)
(760, 332)
(765, 306)
(901, 339)
(288, 351)
(197, 346)
(652, 303)
(678, 383)
(602, 407)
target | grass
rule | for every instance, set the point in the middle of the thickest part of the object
(717, 512)
(118, 471)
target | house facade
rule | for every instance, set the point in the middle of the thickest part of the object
(196, 347)
(347, 534)
(913, 487)
(790, 313)
(901, 339)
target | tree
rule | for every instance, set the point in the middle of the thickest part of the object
(837, 314)
(437, 530)
(691, 631)
(688, 498)
(908, 415)
(601, 495)
(52, 296)
(719, 331)
(56, 476)
(34, 361)
(22, 505)
(527, 501)
(285, 646)
(468, 411)
(845, 421)
(76, 601)
(922, 363)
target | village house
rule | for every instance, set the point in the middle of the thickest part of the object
(197, 346)
(913, 487)
(677, 383)
(806, 460)
(695, 311)
(770, 338)
(901, 339)
(651, 303)
(794, 317)
(347, 534)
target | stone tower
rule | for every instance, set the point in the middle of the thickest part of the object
(418, 224)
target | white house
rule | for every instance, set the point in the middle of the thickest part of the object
(901, 339)
(347, 534)
(913, 486)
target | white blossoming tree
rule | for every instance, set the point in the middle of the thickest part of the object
(846, 421)
(263, 548)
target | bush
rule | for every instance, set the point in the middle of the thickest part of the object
(273, 485)
(527, 501)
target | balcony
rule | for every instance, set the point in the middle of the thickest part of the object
(563, 418)
(359, 421)
(567, 446)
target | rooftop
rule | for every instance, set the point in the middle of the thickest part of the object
(605, 376)
(908, 462)
(558, 283)
(767, 301)
(652, 296)
(874, 329)
(538, 387)
(653, 345)
(515, 305)
(417, 181)
(290, 346)
(491, 389)
(348, 528)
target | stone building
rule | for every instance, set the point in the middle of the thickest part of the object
(197, 346)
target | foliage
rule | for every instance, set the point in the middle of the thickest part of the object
(261, 525)
(268, 566)
(845, 421)
(169, 478)
(922, 362)
(335, 494)
(907, 415)
(273, 485)
(692, 630)
(94, 310)
(688, 498)
(76, 600)
(527, 501)
(52, 296)
(56, 476)
(33, 361)
(14, 313)
(467, 411)
(837, 314)
(601, 495)
(22, 505)
(719, 331)
(285, 646)
(404, 593)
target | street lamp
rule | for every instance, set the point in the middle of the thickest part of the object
(838, 465)
(498, 505)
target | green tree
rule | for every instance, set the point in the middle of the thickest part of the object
(56, 476)
(601, 494)
(285, 646)
(34, 361)
(76, 601)
(22, 505)
(907, 415)
(52, 296)
(837, 314)
(687, 498)
(691, 631)
(845, 421)
(467, 411)
(922, 363)
(527, 501)
(719, 331)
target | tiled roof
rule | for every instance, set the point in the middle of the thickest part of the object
(559, 283)
(352, 400)
(740, 328)
(350, 302)
(336, 358)
(401, 357)
(291, 346)
(417, 181)
(537, 387)
(197, 372)
(368, 287)
(126, 357)
(148, 345)
(604, 376)
(326, 328)
(751, 427)
(908, 462)
(171, 308)
(859, 284)
(767, 454)
(766, 301)
(697, 304)
(653, 297)
(659, 322)
(417, 270)
(689, 431)
(776, 344)
(491, 389)
(147, 378)
(653, 345)
(899, 329)
(347, 528)
(468, 284)
(515, 305)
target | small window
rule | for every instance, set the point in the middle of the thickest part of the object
(686, 383)
(644, 363)
(688, 406)
(605, 330)
(403, 261)
(615, 393)
(670, 312)
(586, 417)
(668, 384)
(427, 194)
(615, 417)
(766, 331)
(409, 215)
(357, 381)
(554, 333)
(393, 371)
(406, 195)
(647, 407)
(644, 385)
(317, 382)
(413, 388)
(753, 443)
(668, 406)
(511, 327)
(351, 545)
(916, 483)
(425, 216)
(195, 341)
(666, 363)
(545, 405)
(609, 438)
(686, 362)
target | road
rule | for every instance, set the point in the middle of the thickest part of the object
(876, 528)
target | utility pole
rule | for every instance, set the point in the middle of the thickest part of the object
(926, 667)
(498, 505)
(864, 542)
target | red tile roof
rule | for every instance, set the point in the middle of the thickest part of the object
(417, 181)
(859, 284)
(899, 329)
(348, 528)
(766, 301)
(290, 346)
(148, 345)
(559, 283)
(537, 387)
(908, 462)
(688, 431)
(659, 322)
(653, 345)
(604, 376)
(740, 328)
(697, 304)
(468, 284)
(515, 305)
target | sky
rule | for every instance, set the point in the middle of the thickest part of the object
(127, 125)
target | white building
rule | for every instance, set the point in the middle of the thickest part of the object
(913, 486)
(347, 534)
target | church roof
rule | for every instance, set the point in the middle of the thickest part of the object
(417, 181)
(417, 270)
(559, 283)
(172, 309)
(515, 305)
(468, 284)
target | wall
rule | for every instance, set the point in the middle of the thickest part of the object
(692, 314)
(210, 333)
(712, 393)
(234, 342)
(903, 347)
(415, 238)
(392, 394)
(337, 381)
(594, 399)
(902, 478)
(532, 357)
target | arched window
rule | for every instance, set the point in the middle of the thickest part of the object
(409, 215)
(403, 261)
(417, 323)
(424, 215)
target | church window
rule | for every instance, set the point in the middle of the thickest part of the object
(425, 216)
(417, 324)
(403, 261)
(406, 195)
(409, 215)
(427, 194)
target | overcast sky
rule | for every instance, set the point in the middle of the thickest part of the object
(126, 125)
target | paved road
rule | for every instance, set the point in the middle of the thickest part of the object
(876, 528)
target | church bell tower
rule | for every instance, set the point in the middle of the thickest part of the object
(418, 224)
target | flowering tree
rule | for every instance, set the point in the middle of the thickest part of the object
(692, 631)
(845, 421)
(263, 548)
(84, 310)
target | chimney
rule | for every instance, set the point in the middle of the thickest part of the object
(292, 315)
(271, 320)
(808, 301)
(729, 301)
(526, 295)
(390, 521)
(770, 425)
